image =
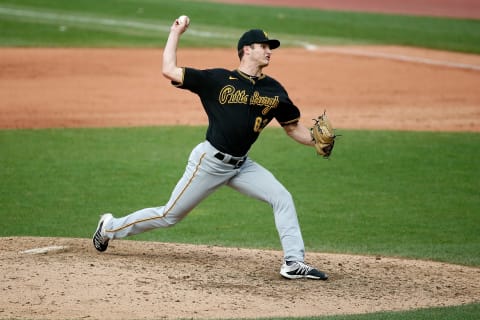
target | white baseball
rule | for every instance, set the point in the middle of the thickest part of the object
(183, 20)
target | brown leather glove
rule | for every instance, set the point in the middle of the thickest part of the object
(323, 135)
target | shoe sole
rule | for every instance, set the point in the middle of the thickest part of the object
(96, 243)
(298, 276)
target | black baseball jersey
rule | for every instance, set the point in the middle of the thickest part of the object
(238, 107)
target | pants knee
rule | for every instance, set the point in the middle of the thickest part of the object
(282, 199)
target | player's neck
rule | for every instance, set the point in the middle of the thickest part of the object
(250, 71)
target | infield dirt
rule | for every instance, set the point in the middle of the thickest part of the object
(360, 87)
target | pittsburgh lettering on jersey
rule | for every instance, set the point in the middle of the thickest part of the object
(264, 101)
(229, 94)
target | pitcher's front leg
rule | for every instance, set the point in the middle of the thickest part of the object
(256, 181)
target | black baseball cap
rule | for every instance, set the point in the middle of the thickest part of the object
(256, 36)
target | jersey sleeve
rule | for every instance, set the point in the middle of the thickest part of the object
(192, 80)
(287, 112)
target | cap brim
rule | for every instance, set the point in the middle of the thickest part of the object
(273, 43)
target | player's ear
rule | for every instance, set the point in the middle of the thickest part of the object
(248, 48)
(242, 51)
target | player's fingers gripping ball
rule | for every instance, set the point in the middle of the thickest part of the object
(183, 21)
(323, 135)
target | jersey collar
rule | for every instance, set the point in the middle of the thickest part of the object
(250, 78)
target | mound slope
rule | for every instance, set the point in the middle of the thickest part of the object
(149, 280)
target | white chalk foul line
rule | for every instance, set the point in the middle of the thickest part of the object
(393, 56)
(44, 250)
(55, 17)
(65, 18)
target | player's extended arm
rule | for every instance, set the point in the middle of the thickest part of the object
(169, 68)
(299, 133)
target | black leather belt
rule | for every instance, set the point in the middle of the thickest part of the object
(234, 161)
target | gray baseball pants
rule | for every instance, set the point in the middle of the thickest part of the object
(203, 175)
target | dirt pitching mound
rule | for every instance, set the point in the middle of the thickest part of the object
(56, 278)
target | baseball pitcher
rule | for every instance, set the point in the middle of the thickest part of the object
(239, 104)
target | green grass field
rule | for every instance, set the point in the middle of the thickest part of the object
(406, 194)
(119, 23)
(468, 312)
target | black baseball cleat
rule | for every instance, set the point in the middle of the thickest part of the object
(100, 241)
(298, 270)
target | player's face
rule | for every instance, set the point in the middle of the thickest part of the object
(261, 54)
